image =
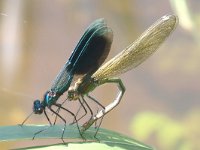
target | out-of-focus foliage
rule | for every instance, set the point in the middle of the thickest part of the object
(169, 133)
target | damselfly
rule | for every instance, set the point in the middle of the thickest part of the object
(89, 54)
(132, 56)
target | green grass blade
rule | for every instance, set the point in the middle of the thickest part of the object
(106, 137)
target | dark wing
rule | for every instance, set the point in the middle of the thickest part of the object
(94, 52)
(90, 52)
(84, 39)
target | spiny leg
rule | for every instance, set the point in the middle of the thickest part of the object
(95, 124)
(82, 104)
(61, 119)
(97, 128)
(25, 119)
(59, 105)
(74, 121)
(47, 118)
(58, 115)
(44, 128)
(58, 110)
(91, 112)
(96, 101)
(85, 110)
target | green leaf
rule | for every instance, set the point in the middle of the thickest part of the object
(106, 139)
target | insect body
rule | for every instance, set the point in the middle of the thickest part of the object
(89, 54)
(132, 56)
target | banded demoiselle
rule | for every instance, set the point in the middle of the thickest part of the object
(90, 52)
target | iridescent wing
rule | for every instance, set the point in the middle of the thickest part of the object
(140, 50)
(89, 54)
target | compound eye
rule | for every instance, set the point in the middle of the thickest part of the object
(37, 107)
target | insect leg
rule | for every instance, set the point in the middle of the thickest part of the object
(90, 97)
(25, 119)
(85, 110)
(57, 111)
(44, 128)
(60, 106)
(47, 117)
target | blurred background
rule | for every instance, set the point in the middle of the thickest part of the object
(161, 103)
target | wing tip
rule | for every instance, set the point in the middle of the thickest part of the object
(172, 18)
